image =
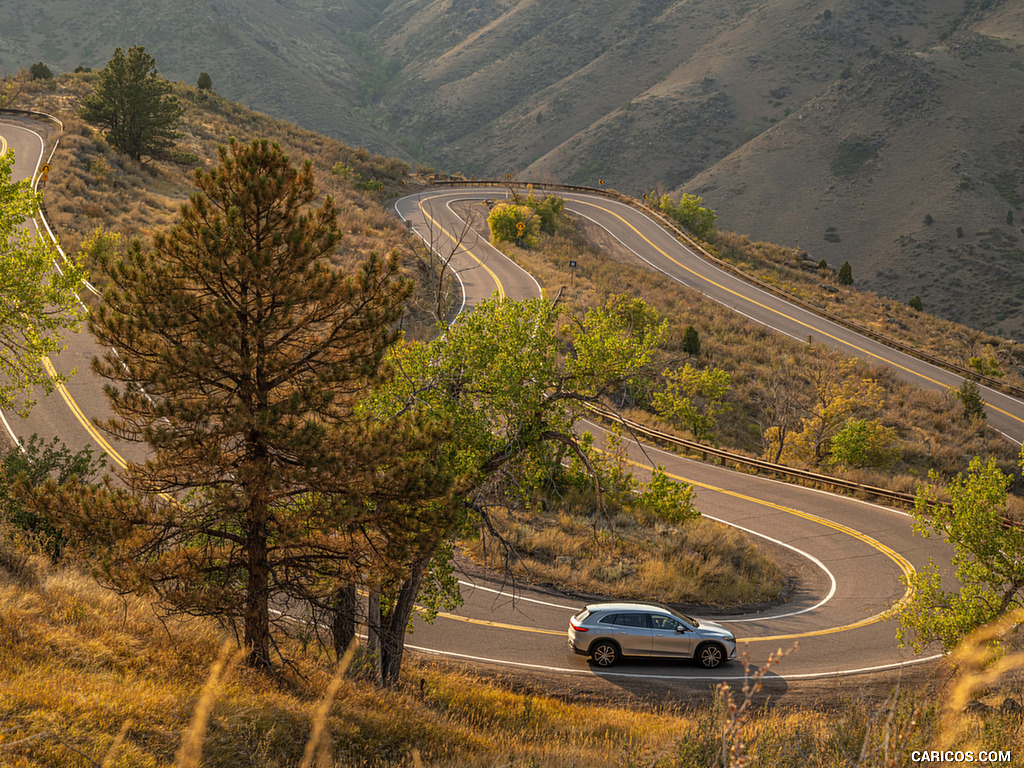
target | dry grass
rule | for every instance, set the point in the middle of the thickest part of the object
(92, 186)
(788, 269)
(628, 555)
(90, 680)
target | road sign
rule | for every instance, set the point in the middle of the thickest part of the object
(44, 169)
(572, 265)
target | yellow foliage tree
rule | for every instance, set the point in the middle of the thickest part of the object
(839, 395)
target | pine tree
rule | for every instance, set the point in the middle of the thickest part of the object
(915, 303)
(241, 359)
(969, 395)
(691, 341)
(134, 105)
(846, 274)
(204, 82)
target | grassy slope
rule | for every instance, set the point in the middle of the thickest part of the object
(941, 143)
(931, 431)
(89, 679)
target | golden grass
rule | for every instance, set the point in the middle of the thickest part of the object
(93, 186)
(72, 703)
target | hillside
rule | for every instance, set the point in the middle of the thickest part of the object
(832, 126)
(297, 60)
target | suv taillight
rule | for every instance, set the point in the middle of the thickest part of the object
(578, 629)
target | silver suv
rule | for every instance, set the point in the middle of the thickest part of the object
(608, 631)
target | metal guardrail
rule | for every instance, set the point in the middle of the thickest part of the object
(33, 113)
(967, 373)
(747, 461)
(759, 465)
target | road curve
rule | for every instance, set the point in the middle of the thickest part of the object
(850, 554)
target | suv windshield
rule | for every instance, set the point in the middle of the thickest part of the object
(688, 619)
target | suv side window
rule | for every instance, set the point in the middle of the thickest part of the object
(664, 623)
(609, 619)
(638, 620)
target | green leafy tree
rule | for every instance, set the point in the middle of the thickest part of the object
(500, 384)
(690, 213)
(915, 303)
(863, 443)
(845, 274)
(988, 559)
(839, 394)
(37, 301)
(695, 397)
(204, 82)
(133, 104)
(513, 224)
(547, 210)
(242, 357)
(969, 395)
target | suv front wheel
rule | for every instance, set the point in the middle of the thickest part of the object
(710, 655)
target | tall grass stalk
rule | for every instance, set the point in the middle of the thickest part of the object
(324, 708)
(191, 749)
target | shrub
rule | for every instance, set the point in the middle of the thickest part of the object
(205, 82)
(40, 71)
(862, 443)
(690, 214)
(969, 395)
(915, 303)
(513, 224)
(691, 341)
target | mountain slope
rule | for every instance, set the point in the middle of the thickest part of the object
(832, 125)
(296, 59)
(912, 168)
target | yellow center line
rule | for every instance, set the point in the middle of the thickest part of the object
(81, 417)
(783, 314)
(499, 625)
(461, 246)
(903, 564)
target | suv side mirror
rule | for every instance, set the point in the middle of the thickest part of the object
(681, 629)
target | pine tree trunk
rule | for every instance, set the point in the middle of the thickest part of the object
(257, 594)
(373, 630)
(343, 618)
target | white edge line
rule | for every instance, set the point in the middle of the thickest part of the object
(674, 278)
(516, 598)
(709, 678)
(455, 272)
(448, 205)
(808, 555)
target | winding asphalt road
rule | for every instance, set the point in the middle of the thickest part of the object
(850, 554)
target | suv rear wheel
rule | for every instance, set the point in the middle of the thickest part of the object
(604, 653)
